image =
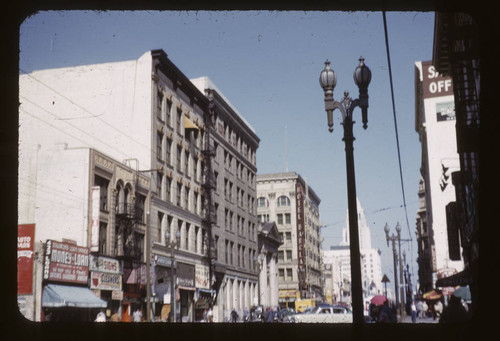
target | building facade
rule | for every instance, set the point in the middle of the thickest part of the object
(435, 122)
(233, 145)
(286, 199)
(147, 115)
(457, 53)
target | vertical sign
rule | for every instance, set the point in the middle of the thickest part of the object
(301, 235)
(25, 250)
(94, 225)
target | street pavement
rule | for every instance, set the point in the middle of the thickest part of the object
(407, 319)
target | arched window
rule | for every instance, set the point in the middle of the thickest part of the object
(261, 202)
(283, 201)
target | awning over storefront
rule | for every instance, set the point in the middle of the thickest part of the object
(462, 278)
(56, 296)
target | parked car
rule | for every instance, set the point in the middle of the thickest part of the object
(257, 313)
(323, 313)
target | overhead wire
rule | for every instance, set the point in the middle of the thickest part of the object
(396, 130)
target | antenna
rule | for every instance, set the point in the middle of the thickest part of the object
(286, 149)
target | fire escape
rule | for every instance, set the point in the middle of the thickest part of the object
(129, 243)
(208, 186)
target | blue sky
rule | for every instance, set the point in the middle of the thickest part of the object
(268, 64)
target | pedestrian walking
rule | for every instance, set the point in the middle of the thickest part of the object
(269, 315)
(138, 315)
(101, 317)
(210, 315)
(234, 316)
(425, 309)
(413, 312)
(115, 317)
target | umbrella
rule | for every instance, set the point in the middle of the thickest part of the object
(463, 293)
(378, 299)
(432, 295)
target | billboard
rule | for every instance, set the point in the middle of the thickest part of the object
(25, 251)
(65, 262)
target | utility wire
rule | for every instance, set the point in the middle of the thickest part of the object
(397, 138)
(395, 121)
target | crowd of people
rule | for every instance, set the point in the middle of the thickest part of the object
(456, 311)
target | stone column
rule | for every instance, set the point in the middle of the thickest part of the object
(263, 282)
(273, 281)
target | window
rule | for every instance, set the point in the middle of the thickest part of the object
(168, 152)
(179, 191)
(159, 185)
(288, 218)
(261, 202)
(186, 163)
(280, 218)
(186, 237)
(103, 198)
(281, 274)
(179, 116)
(159, 104)
(168, 118)
(103, 229)
(289, 274)
(283, 201)
(159, 146)
(160, 227)
(216, 248)
(186, 198)
(179, 158)
(280, 256)
(289, 255)
(168, 185)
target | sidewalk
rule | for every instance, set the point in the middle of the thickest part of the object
(407, 319)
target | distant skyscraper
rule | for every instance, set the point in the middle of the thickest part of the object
(371, 262)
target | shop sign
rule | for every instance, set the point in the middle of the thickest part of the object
(287, 293)
(185, 275)
(104, 264)
(105, 281)
(117, 295)
(66, 262)
(434, 84)
(202, 303)
(202, 276)
(25, 249)
(162, 261)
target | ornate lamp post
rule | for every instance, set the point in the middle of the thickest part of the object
(172, 245)
(328, 80)
(393, 238)
(395, 257)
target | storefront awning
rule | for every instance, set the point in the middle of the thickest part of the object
(56, 296)
(462, 278)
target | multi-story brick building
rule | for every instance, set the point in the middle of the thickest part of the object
(145, 113)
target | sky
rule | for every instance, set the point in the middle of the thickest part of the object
(267, 63)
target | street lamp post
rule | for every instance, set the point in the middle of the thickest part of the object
(395, 257)
(393, 238)
(171, 246)
(328, 80)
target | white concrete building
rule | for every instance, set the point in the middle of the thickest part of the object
(435, 124)
(338, 260)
